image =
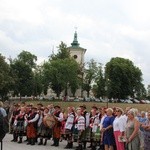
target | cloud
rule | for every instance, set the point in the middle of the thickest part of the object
(105, 28)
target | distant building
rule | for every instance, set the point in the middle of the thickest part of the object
(78, 53)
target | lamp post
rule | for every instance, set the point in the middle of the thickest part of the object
(106, 90)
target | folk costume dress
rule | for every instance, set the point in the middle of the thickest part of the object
(57, 127)
(32, 127)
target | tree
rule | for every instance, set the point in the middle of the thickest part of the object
(63, 52)
(5, 78)
(90, 75)
(122, 78)
(22, 71)
(24, 78)
(37, 81)
(61, 71)
(99, 86)
(27, 58)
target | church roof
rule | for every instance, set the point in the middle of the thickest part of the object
(75, 44)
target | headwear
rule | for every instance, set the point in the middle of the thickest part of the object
(40, 104)
(46, 108)
(42, 109)
(94, 107)
(16, 105)
(83, 106)
(34, 108)
(57, 106)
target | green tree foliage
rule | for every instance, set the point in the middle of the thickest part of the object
(90, 75)
(22, 71)
(37, 81)
(61, 71)
(23, 77)
(27, 58)
(5, 78)
(99, 86)
(123, 78)
(63, 52)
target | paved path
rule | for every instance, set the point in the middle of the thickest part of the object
(7, 145)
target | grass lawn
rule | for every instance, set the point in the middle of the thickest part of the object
(64, 105)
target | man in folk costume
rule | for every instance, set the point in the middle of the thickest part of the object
(51, 109)
(58, 115)
(15, 112)
(28, 111)
(69, 126)
(19, 121)
(39, 106)
(32, 120)
(94, 122)
(86, 134)
(80, 127)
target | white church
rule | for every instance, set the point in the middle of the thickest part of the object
(78, 53)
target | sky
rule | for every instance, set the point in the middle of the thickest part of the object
(106, 28)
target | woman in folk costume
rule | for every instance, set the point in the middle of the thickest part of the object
(69, 127)
(32, 120)
(102, 115)
(58, 115)
(94, 122)
(40, 125)
(86, 134)
(20, 121)
(63, 135)
(44, 131)
(80, 127)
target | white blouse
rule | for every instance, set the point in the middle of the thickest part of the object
(81, 123)
(70, 121)
(119, 124)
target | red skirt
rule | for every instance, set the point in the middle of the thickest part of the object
(31, 131)
(56, 131)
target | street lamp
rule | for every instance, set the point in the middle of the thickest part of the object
(106, 89)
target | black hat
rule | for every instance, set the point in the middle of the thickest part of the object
(83, 106)
(34, 108)
(40, 104)
(94, 107)
(17, 105)
(56, 106)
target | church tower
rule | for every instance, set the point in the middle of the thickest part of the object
(76, 51)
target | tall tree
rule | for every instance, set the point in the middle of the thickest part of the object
(22, 71)
(61, 71)
(37, 81)
(122, 78)
(63, 52)
(90, 75)
(24, 78)
(27, 58)
(99, 86)
(5, 78)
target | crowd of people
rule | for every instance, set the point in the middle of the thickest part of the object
(104, 128)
